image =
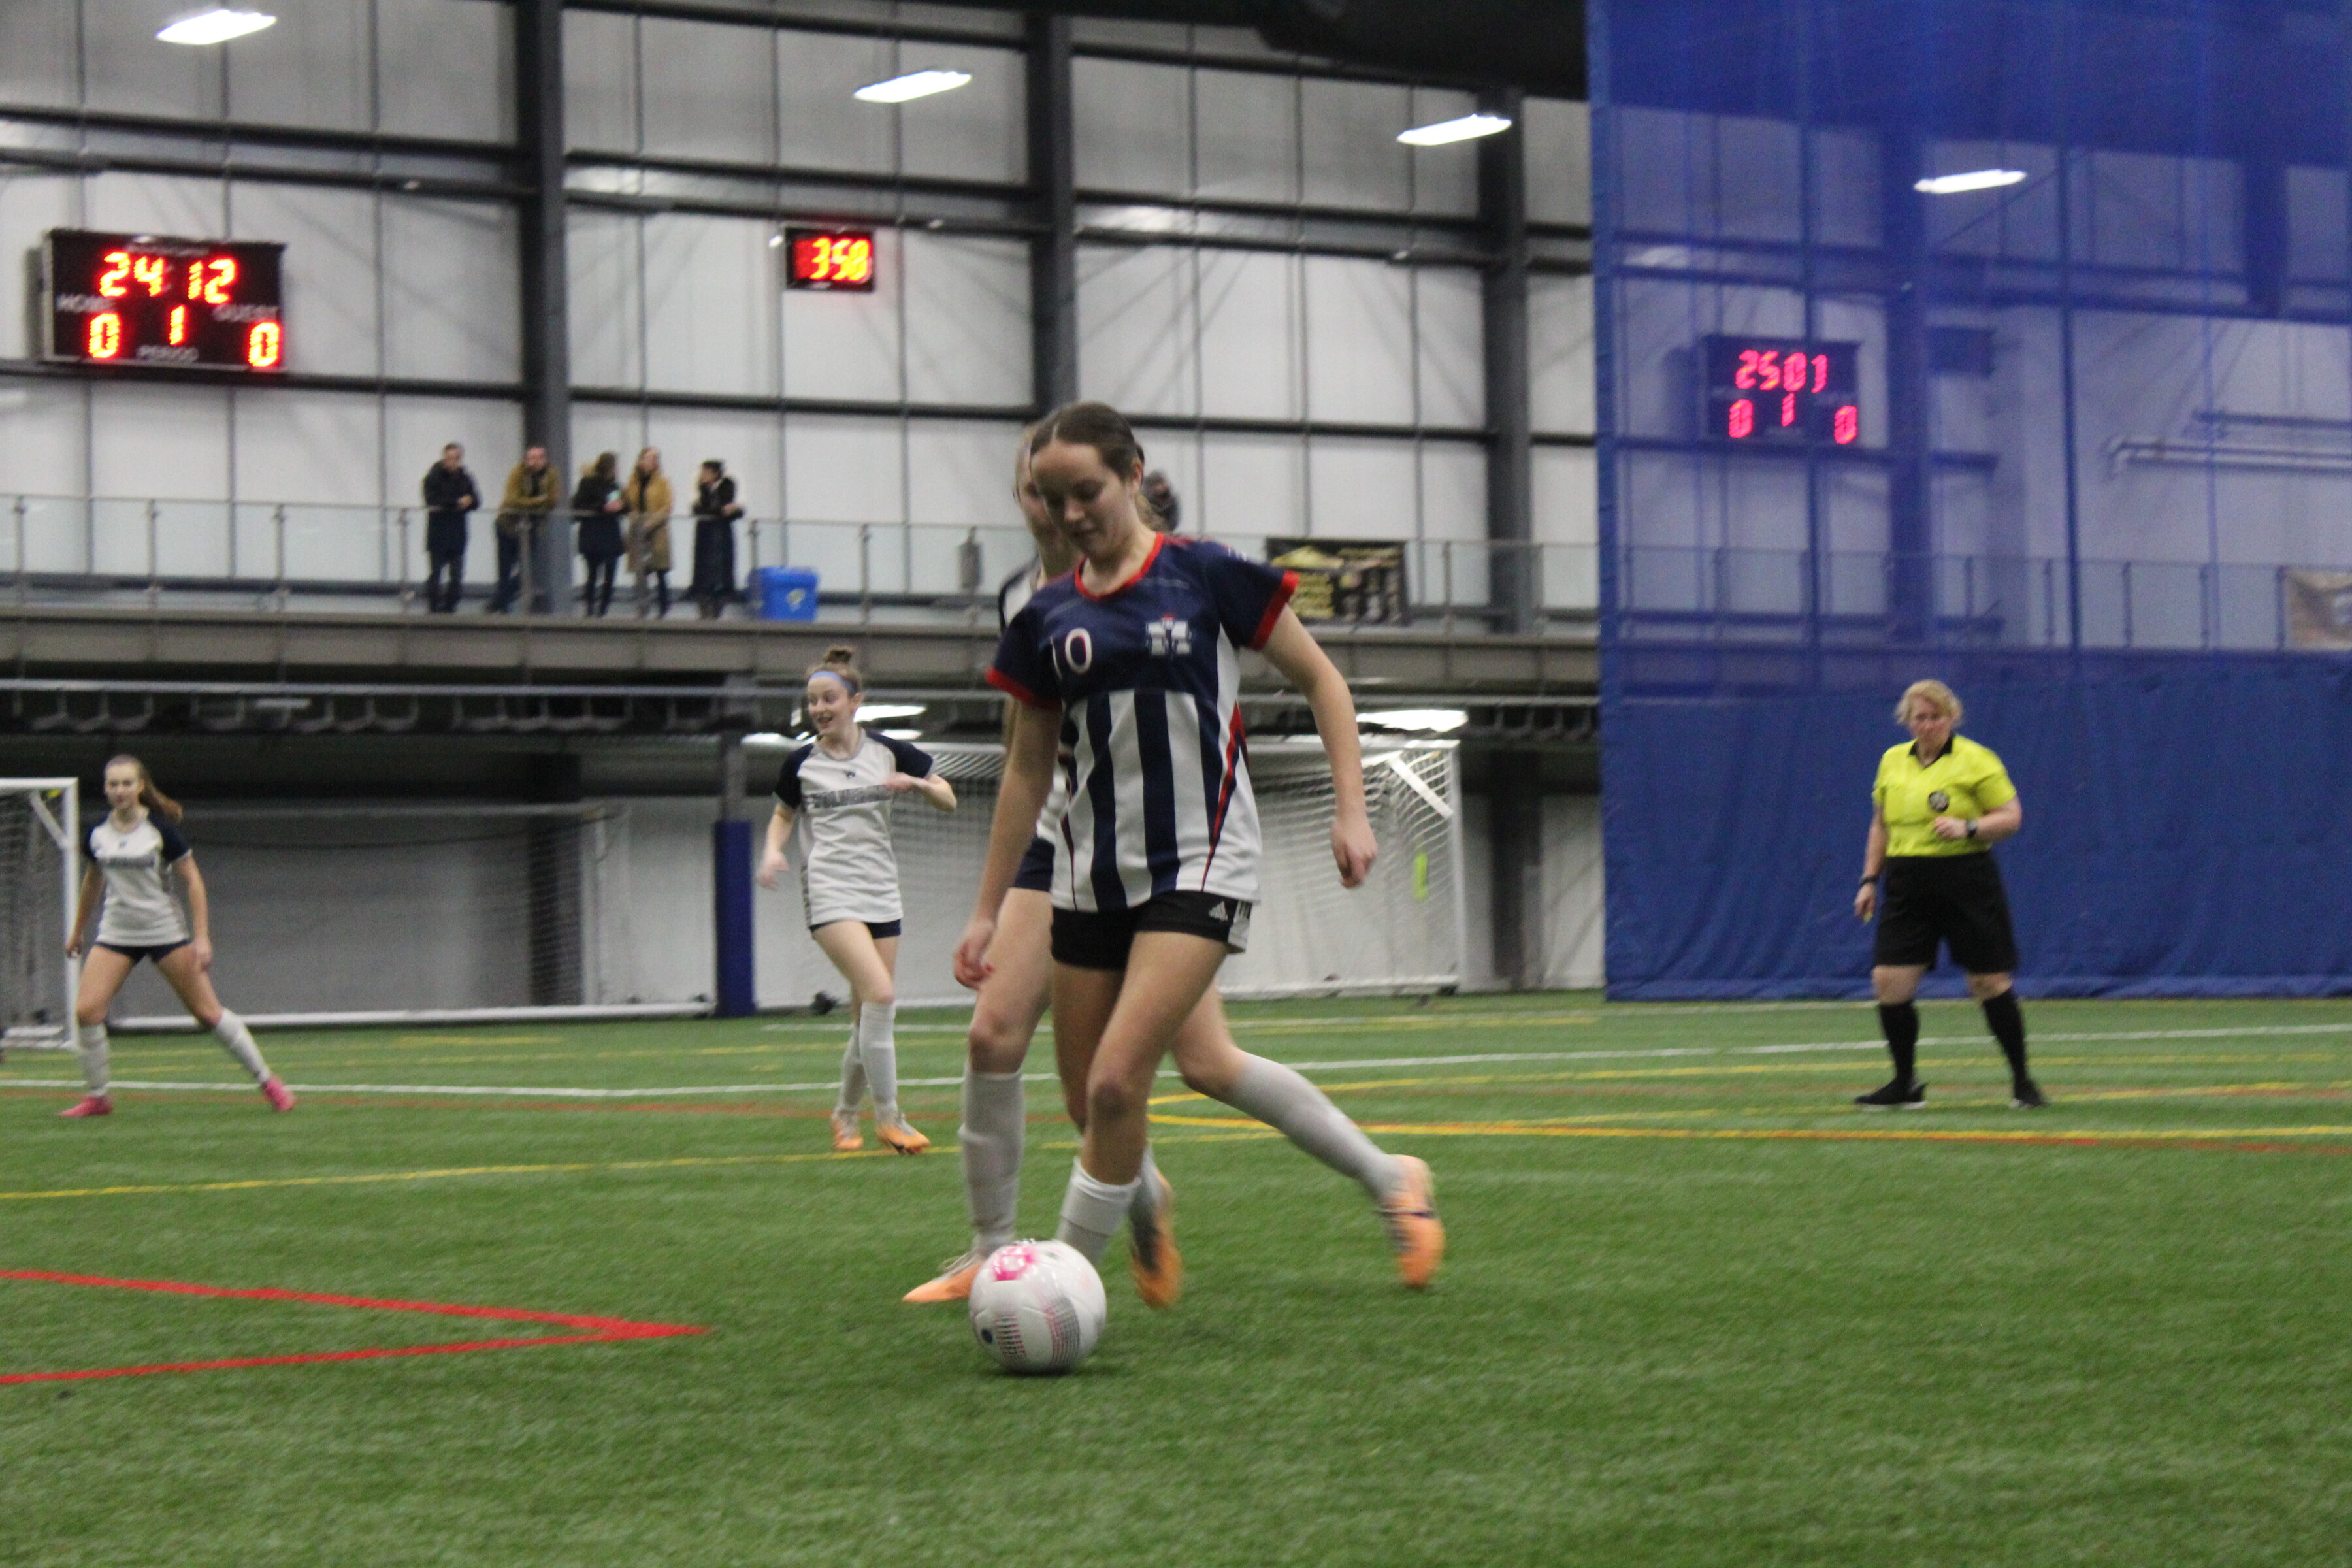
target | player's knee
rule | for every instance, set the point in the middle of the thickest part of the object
(208, 1017)
(1985, 987)
(885, 995)
(89, 1018)
(992, 1045)
(1892, 986)
(1110, 1100)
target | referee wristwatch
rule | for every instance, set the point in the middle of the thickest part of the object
(1972, 827)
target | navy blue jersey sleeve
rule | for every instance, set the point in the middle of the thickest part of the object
(788, 782)
(1249, 594)
(1023, 668)
(89, 838)
(175, 843)
(912, 761)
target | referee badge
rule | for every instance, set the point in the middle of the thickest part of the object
(1938, 800)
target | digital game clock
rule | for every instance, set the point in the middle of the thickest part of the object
(830, 259)
(1779, 392)
(150, 300)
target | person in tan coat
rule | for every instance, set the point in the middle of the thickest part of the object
(530, 497)
(647, 495)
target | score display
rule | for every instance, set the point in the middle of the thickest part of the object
(830, 259)
(150, 300)
(1780, 391)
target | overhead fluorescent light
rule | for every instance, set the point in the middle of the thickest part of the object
(1974, 180)
(866, 711)
(1463, 129)
(904, 734)
(214, 25)
(914, 84)
(1428, 720)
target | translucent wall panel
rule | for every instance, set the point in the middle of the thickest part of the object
(1708, 176)
(311, 70)
(42, 427)
(848, 345)
(31, 204)
(1453, 492)
(821, 126)
(1136, 328)
(844, 469)
(967, 319)
(1359, 340)
(748, 442)
(707, 92)
(1245, 136)
(1250, 486)
(158, 204)
(126, 71)
(1452, 312)
(1559, 355)
(1363, 488)
(2016, 221)
(315, 446)
(711, 295)
(1349, 153)
(1559, 161)
(415, 429)
(607, 307)
(453, 291)
(979, 131)
(1249, 344)
(961, 471)
(38, 61)
(1567, 516)
(1445, 179)
(1133, 127)
(445, 70)
(148, 439)
(331, 271)
(600, 80)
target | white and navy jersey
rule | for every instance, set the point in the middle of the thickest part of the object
(1147, 677)
(842, 824)
(140, 910)
(1011, 599)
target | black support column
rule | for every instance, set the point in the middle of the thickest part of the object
(1052, 179)
(1514, 862)
(1513, 574)
(1903, 219)
(546, 311)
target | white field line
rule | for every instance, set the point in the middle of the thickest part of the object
(1591, 1015)
(1483, 1058)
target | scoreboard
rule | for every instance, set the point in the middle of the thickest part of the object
(150, 300)
(1779, 392)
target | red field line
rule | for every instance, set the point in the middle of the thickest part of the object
(592, 1330)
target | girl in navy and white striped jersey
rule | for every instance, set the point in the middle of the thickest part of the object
(833, 799)
(136, 856)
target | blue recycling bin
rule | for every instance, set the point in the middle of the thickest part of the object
(786, 593)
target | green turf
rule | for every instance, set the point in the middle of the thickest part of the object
(2122, 1342)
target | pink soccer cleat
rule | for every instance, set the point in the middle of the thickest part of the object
(89, 1105)
(274, 1089)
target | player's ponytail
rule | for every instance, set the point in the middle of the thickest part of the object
(154, 799)
(841, 663)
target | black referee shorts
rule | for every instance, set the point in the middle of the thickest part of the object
(1101, 939)
(1955, 900)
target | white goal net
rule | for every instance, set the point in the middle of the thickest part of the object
(1402, 932)
(39, 822)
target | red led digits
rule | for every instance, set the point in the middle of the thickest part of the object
(263, 345)
(1821, 372)
(1846, 426)
(1743, 417)
(111, 283)
(223, 270)
(1788, 409)
(105, 337)
(175, 330)
(1745, 380)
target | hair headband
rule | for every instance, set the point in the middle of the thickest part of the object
(846, 684)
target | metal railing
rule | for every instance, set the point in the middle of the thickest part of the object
(276, 555)
(1770, 596)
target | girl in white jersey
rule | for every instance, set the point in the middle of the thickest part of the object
(136, 853)
(833, 800)
(1016, 985)
(1130, 668)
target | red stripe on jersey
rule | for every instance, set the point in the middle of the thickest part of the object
(1014, 689)
(1274, 610)
(1233, 738)
(1078, 577)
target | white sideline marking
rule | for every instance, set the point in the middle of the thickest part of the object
(1483, 1058)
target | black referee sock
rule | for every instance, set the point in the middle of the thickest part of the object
(2007, 1021)
(1900, 1020)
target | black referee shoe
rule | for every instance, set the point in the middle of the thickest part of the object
(1894, 1096)
(2024, 1095)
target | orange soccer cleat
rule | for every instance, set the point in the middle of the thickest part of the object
(1410, 1215)
(89, 1105)
(845, 1136)
(899, 1137)
(952, 1283)
(1157, 1267)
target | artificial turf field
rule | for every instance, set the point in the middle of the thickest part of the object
(1697, 1310)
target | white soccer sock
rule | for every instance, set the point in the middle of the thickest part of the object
(877, 1044)
(237, 1040)
(92, 1041)
(1091, 1211)
(1282, 1099)
(852, 1077)
(996, 1113)
(1146, 1202)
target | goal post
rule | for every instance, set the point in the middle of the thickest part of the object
(40, 825)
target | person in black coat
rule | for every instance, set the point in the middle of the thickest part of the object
(596, 507)
(450, 494)
(715, 512)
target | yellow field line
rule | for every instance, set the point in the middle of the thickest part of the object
(1583, 1128)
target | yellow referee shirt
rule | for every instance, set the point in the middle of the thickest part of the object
(1966, 782)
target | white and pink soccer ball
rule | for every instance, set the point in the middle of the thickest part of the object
(1038, 1306)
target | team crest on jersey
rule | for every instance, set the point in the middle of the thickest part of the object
(1938, 800)
(1167, 636)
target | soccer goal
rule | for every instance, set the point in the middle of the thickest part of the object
(41, 822)
(1401, 932)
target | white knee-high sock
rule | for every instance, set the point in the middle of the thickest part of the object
(1284, 1099)
(995, 1114)
(877, 1044)
(237, 1040)
(1091, 1211)
(95, 1079)
(852, 1077)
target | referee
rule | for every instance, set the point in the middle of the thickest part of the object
(1940, 804)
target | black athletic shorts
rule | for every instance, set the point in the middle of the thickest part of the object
(156, 955)
(1099, 938)
(878, 930)
(1955, 899)
(1037, 873)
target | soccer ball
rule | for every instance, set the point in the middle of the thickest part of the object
(1038, 1306)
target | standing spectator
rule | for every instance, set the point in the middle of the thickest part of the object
(596, 508)
(450, 494)
(530, 496)
(715, 512)
(649, 503)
